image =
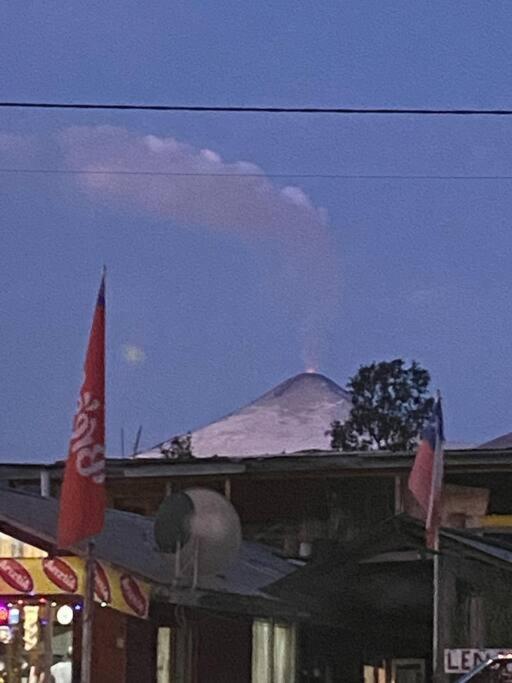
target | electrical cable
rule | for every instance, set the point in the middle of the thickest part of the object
(256, 109)
(262, 175)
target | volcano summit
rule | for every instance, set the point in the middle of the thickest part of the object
(291, 417)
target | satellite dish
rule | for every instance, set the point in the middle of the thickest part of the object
(201, 529)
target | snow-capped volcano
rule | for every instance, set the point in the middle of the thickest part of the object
(293, 416)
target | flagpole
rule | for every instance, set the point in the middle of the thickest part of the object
(436, 672)
(83, 495)
(426, 483)
(88, 613)
(88, 618)
(435, 608)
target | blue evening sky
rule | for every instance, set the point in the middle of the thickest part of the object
(207, 306)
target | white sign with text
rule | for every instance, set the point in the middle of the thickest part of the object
(462, 660)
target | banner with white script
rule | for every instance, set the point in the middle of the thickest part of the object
(66, 576)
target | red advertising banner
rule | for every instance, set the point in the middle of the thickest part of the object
(66, 576)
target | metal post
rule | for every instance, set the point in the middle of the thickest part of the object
(47, 612)
(44, 481)
(398, 497)
(88, 611)
(195, 570)
(435, 611)
(177, 564)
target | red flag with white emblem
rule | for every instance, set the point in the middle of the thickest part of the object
(83, 498)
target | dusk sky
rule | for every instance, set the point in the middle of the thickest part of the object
(219, 288)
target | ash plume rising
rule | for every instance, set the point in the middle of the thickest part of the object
(247, 204)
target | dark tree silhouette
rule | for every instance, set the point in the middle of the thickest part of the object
(390, 406)
(179, 448)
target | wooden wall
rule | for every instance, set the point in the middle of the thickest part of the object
(124, 648)
(109, 646)
(141, 638)
(223, 650)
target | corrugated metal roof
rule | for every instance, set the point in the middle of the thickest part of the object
(483, 545)
(127, 541)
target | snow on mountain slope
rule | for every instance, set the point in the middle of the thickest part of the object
(293, 416)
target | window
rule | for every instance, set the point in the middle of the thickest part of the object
(408, 671)
(163, 657)
(374, 674)
(274, 651)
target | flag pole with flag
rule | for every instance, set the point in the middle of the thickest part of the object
(426, 485)
(426, 478)
(83, 496)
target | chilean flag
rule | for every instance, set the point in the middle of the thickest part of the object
(83, 497)
(426, 478)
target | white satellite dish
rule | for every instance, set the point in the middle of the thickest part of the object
(201, 529)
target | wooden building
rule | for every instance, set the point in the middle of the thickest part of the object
(319, 512)
(146, 626)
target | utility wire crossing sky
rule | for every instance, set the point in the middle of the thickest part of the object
(247, 109)
(297, 176)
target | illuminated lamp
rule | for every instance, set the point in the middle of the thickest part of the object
(4, 614)
(14, 616)
(65, 615)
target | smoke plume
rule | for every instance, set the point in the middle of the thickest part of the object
(209, 192)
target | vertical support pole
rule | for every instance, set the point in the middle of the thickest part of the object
(44, 482)
(195, 574)
(177, 564)
(86, 675)
(48, 614)
(191, 654)
(227, 488)
(398, 502)
(436, 672)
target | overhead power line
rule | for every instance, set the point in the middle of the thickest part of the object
(242, 109)
(294, 176)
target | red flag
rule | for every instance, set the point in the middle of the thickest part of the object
(83, 498)
(426, 478)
